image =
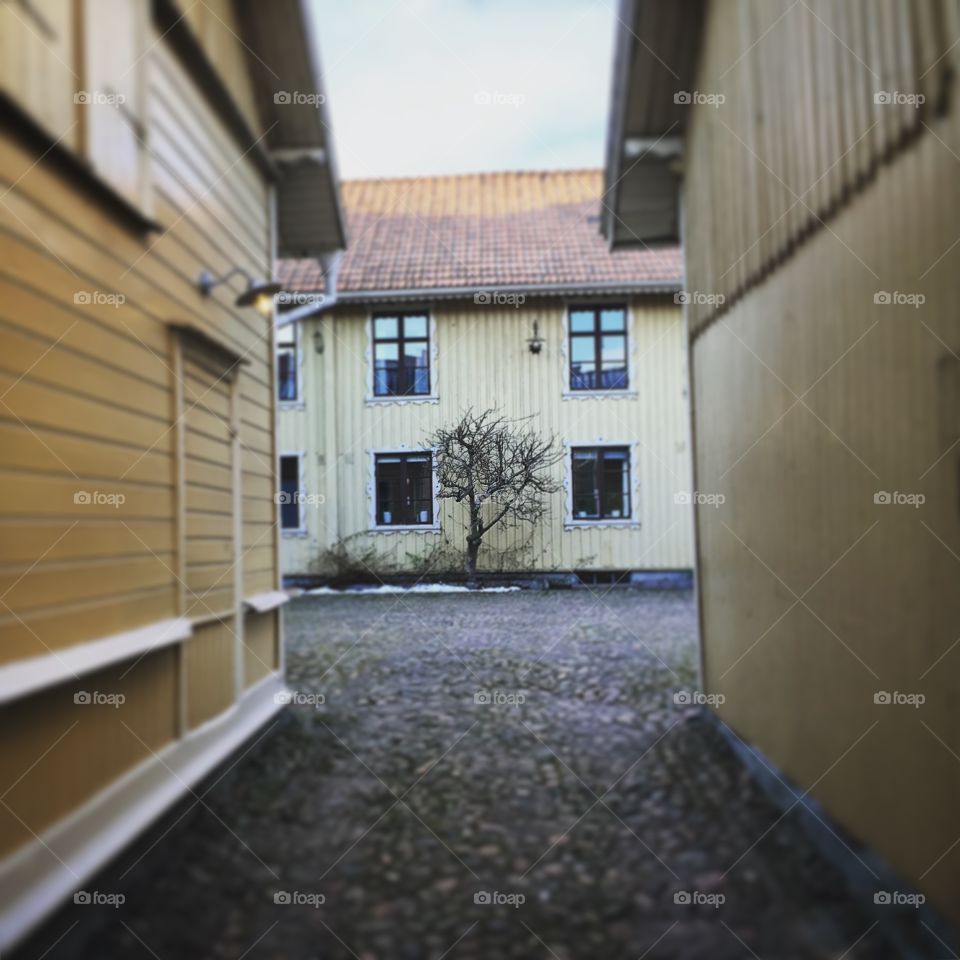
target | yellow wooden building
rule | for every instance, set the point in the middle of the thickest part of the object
(817, 146)
(148, 150)
(482, 291)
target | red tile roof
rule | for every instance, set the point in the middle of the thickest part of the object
(484, 231)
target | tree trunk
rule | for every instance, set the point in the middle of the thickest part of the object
(473, 550)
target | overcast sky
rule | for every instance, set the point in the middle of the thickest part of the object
(450, 86)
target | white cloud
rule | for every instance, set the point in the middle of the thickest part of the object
(421, 87)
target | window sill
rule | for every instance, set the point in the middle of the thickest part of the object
(591, 524)
(407, 528)
(596, 394)
(291, 405)
(292, 534)
(425, 398)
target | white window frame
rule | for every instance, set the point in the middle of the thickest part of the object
(300, 402)
(434, 395)
(572, 523)
(373, 526)
(632, 392)
(301, 530)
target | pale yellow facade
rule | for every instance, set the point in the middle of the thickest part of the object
(480, 360)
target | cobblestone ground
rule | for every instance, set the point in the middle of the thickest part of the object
(433, 824)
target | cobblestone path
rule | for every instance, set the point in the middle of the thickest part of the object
(488, 776)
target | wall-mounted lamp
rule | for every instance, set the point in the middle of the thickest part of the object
(259, 293)
(318, 340)
(535, 343)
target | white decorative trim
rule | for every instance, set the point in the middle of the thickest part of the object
(301, 530)
(372, 526)
(633, 522)
(433, 396)
(263, 602)
(301, 402)
(631, 393)
(27, 677)
(52, 867)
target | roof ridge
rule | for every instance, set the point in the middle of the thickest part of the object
(572, 171)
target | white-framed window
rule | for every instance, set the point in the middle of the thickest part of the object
(403, 491)
(597, 351)
(402, 357)
(601, 484)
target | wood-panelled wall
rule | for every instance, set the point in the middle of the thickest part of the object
(819, 396)
(817, 95)
(130, 493)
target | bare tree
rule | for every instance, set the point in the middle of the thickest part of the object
(498, 468)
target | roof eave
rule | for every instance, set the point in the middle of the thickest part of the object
(655, 54)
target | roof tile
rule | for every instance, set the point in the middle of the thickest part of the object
(480, 231)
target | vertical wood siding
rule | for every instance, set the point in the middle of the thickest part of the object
(801, 126)
(482, 361)
(810, 399)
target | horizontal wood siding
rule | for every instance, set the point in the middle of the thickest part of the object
(56, 752)
(115, 513)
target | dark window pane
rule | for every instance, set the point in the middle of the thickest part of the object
(386, 375)
(417, 367)
(287, 375)
(584, 484)
(386, 328)
(614, 376)
(615, 484)
(583, 376)
(420, 482)
(289, 493)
